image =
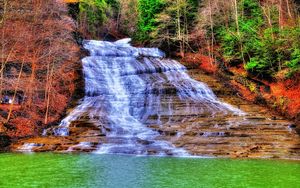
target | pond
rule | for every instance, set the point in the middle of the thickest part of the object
(118, 171)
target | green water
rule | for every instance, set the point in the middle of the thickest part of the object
(115, 171)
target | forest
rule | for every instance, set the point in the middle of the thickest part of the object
(257, 41)
(253, 45)
(149, 93)
(260, 34)
(38, 56)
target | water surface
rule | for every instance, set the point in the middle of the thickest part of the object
(118, 171)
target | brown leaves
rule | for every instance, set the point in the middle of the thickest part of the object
(40, 33)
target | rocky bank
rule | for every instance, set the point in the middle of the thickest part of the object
(258, 134)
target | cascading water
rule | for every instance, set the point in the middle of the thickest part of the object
(128, 89)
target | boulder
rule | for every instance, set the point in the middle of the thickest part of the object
(5, 141)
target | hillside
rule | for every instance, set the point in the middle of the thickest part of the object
(252, 44)
(39, 65)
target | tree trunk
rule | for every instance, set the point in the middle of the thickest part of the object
(15, 92)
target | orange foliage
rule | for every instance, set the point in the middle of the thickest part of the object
(284, 95)
(39, 33)
(22, 127)
(238, 70)
(71, 1)
(204, 62)
(288, 93)
(244, 91)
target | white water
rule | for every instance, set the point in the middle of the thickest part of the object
(27, 147)
(127, 89)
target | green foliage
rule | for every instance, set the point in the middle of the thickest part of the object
(161, 20)
(280, 49)
(229, 41)
(93, 13)
(294, 64)
(263, 48)
(147, 17)
(114, 4)
(238, 44)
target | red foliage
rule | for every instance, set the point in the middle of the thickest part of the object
(284, 95)
(288, 93)
(244, 91)
(38, 33)
(205, 63)
(22, 127)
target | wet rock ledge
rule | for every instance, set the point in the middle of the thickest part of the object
(258, 134)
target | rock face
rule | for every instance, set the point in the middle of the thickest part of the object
(258, 134)
(4, 142)
(138, 103)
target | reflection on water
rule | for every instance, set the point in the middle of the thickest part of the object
(117, 171)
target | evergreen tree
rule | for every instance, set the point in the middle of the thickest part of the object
(147, 22)
(92, 15)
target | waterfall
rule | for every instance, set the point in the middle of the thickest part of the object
(128, 89)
